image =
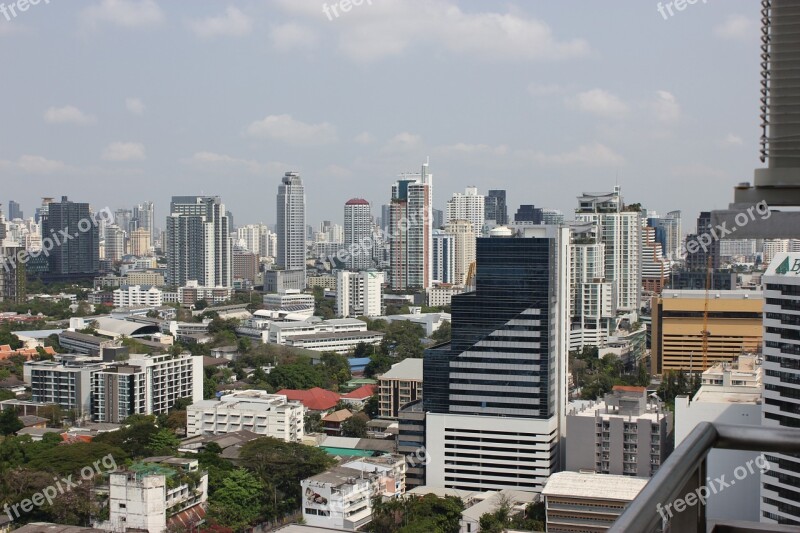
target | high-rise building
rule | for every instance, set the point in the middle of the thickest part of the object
(245, 265)
(291, 227)
(444, 253)
(12, 274)
(468, 206)
(780, 499)
(438, 219)
(144, 217)
(553, 217)
(359, 293)
(772, 247)
(464, 239)
(495, 395)
(114, 243)
(78, 256)
(358, 234)
(140, 242)
(528, 214)
(619, 228)
(655, 268)
(198, 244)
(14, 211)
(697, 257)
(495, 209)
(592, 302)
(411, 232)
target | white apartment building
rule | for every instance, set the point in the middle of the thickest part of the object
(270, 415)
(138, 295)
(359, 293)
(193, 292)
(620, 230)
(780, 500)
(339, 342)
(442, 295)
(291, 301)
(731, 393)
(469, 206)
(341, 498)
(145, 384)
(66, 383)
(140, 498)
(592, 303)
(464, 243)
(280, 332)
(773, 247)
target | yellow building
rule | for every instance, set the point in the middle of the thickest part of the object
(734, 326)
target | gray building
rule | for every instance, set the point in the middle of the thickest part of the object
(14, 211)
(291, 227)
(495, 207)
(79, 255)
(198, 243)
(625, 434)
(67, 383)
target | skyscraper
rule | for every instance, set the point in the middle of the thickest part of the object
(697, 259)
(291, 227)
(444, 250)
(464, 239)
(358, 234)
(780, 500)
(79, 255)
(619, 229)
(468, 206)
(14, 211)
(144, 218)
(528, 214)
(410, 231)
(496, 209)
(198, 244)
(495, 395)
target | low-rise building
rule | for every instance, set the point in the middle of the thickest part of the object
(292, 301)
(332, 422)
(442, 295)
(316, 400)
(359, 293)
(269, 415)
(578, 501)
(342, 497)
(66, 383)
(339, 342)
(138, 295)
(626, 434)
(193, 293)
(401, 385)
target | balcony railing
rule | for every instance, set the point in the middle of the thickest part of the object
(684, 472)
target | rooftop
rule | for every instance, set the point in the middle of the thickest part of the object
(316, 399)
(407, 369)
(595, 486)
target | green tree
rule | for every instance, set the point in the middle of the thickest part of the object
(10, 422)
(199, 305)
(238, 502)
(336, 369)
(312, 423)
(444, 332)
(373, 406)
(355, 426)
(403, 340)
(164, 442)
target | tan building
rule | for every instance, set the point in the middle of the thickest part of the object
(734, 326)
(465, 243)
(140, 242)
(402, 384)
(145, 277)
(325, 281)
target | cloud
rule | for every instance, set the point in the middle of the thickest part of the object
(233, 23)
(402, 142)
(135, 106)
(213, 161)
(589, 155)
(291, 131)
(666, 107)
(122, 151)
(35, 164)
(737, 27)
(124, 13)
(293, 36)
(67, 115)
(364, 138)
(731, 140)
(599, 102)
(390, 27)
(462, 149)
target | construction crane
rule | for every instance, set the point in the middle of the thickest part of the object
(705, 333)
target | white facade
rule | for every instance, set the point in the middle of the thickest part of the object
(359, 293)
(773, 247)
(469, 206)
(779, 495)
(592, 302)
(291, 226)
(464, 235)
(269, 415)
(358, 234)
(730, 394)
(136, 296)
(442, 295)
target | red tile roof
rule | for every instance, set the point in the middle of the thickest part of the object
(361, 393)
(316, 399)
(627, 388)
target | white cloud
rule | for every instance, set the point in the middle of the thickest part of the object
(461, 149)
(122, 151)
(289, 130)
(67, 115)
(388, 28)
(666, 107)
(402, 142)
(213, 160)
(233, 23)
(364, 138)
(589, 155)
(732, 140)
(291, 36)
(36, 164)
(124, 13)
(737, 27)
(599, 102)
(135, 106)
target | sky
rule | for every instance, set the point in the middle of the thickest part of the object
(115, 102)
